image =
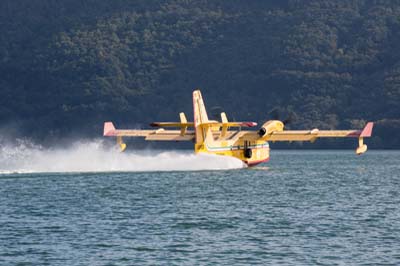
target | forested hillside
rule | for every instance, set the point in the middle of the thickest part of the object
(68, 66)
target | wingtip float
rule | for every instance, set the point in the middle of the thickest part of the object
(215, 137)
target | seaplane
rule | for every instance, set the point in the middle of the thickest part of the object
(217, 137)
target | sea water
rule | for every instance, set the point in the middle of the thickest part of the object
(301, 208)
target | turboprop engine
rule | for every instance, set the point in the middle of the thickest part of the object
(270, 126)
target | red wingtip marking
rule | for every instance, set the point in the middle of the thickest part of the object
(109, 129)
(367, 131)
(249, 124)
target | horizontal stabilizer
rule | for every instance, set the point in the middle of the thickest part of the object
(183, 124)
(171, 124)
(209, 123)
(231, 124)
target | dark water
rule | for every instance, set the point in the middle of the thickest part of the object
(301, 208)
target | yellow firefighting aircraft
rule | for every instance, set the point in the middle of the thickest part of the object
(214, 137)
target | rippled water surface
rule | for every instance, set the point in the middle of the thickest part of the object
(301, 208)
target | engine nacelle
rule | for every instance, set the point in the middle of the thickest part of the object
(270, 126)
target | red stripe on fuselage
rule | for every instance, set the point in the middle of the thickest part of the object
(253, 163)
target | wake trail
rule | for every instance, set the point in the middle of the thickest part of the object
(96, 156)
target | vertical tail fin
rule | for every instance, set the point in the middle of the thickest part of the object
(203, 133)
(199, 110)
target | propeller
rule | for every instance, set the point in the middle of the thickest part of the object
(282, 114)
(291, 117)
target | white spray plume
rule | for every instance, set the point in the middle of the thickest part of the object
(95, 156)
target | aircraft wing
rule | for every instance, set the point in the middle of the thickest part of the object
(311, 135)
(158, 134)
